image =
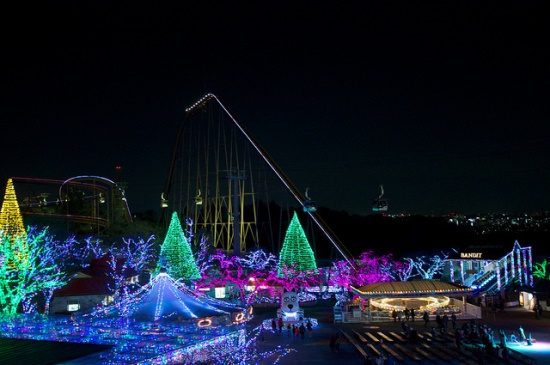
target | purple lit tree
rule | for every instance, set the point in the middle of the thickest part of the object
(232, 272)
(289, 277)
(369, 269)
(372, 269)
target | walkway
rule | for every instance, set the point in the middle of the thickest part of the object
(317, 351)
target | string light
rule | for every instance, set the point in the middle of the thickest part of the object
(296, 251)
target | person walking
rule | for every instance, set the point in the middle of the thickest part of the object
(302, 331)
(426, 318)
(522, 334)
(288, 329)
(337, 343)
(309, 327)
(453, 320)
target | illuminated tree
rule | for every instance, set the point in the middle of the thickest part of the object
(122, 262)
(176, 255)
(428, 269)
(539, 270)
(258, 260)
(400, 270)
(11, 221)
(289, 278)
(39, 269)
(296, 251)
(372, 269)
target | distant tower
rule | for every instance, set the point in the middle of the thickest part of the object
(11, 220)
(296, 250)
(118, 178)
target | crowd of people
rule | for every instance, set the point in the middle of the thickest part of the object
(296, 330)
(480, 335)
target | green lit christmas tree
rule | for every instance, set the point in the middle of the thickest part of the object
(176, 255)
(296, 252)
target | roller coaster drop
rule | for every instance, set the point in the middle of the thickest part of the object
(198, 169)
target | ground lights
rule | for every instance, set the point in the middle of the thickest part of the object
(134, 342)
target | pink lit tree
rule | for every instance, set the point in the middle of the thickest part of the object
(369, 269)
(232, 272)
(372, 269)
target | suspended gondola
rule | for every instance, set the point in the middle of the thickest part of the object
(310, 206)
(380, 204)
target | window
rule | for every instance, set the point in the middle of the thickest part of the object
(73, 305)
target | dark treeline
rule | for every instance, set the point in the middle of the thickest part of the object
(411, 236)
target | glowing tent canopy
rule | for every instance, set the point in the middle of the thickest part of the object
(165, 299)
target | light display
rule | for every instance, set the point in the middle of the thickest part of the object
(164, 299)
(428, 269)
(296, 251)
(540, 270)
(258, 260)
(176, 255)
(530, 262)
(167, 340)
(39, 269)
(11, 221)
(517, 264)
(133, 342)
(425, 303)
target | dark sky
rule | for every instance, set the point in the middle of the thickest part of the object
(445, 103)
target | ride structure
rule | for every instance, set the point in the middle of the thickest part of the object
(216, 158)
(87, 204)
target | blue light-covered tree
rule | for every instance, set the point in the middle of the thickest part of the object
(176, 255)
(296, 252)
(427, 270)
(41, 269)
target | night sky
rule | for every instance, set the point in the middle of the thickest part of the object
(445, 103)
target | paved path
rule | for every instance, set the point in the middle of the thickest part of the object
(317, 351)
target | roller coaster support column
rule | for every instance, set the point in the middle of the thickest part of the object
(235, 176)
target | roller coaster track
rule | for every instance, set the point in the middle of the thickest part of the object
(284, 179)
(94, 184)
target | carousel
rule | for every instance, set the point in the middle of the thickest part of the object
(421, 296)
